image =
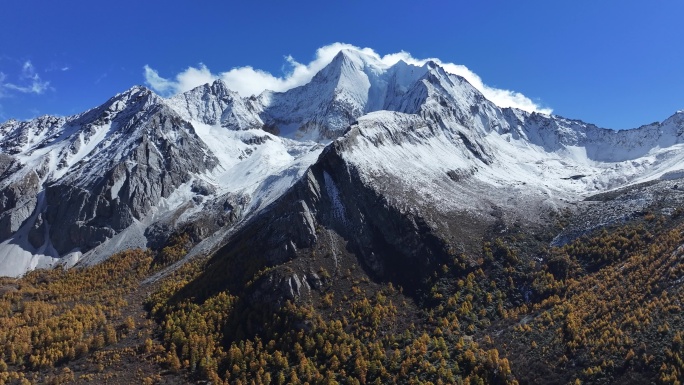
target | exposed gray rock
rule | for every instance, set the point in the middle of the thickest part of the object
(331, 197)
(214, 103)
(147, 153)
(221, 211)
(37, 234)
(6, 164)
(294, 286)
(11, 220)
(620, 206)
(17, 203)
(19, 192)
(202, 188)
(17, 135)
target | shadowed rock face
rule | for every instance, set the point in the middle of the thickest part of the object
(380, 216)
(153, 168)
(17, 202)
(146, 153)
(331, 208)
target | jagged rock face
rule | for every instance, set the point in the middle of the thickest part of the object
(131, 172)
(18, 135)
(222, 211)
(113, 164)
(155, 166)
(17, 202)
(331, 208)
(216, 104)
(349, 87)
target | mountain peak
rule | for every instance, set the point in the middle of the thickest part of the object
(206, 103)
(220, 88)
(136, 89)
(431, 64)
(350, 54)
(136, 93)
(359, 59)
(217, 88)
(344, 59)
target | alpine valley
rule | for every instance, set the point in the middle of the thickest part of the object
(379, 224)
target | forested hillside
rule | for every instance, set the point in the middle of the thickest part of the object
(605, 308)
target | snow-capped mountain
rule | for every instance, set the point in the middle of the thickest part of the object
(412, 148)
(350, 86)
(106, 179)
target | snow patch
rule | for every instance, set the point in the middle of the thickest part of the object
(338, 209)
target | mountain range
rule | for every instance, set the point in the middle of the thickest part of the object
(379, 224)
(404, 158)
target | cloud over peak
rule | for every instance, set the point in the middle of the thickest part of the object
(248, 81)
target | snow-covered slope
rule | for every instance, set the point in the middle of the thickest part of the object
(128, 173)
(353, 84)
(460, 152)
(402, 191)
(439, 164)
(215, 104)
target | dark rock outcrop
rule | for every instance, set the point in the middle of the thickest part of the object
(140, 151)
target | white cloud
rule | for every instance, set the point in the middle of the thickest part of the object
(159, 84)
(249, 81)
(185, 81)
(30, 81)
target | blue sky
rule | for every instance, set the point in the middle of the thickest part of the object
(618, 64)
